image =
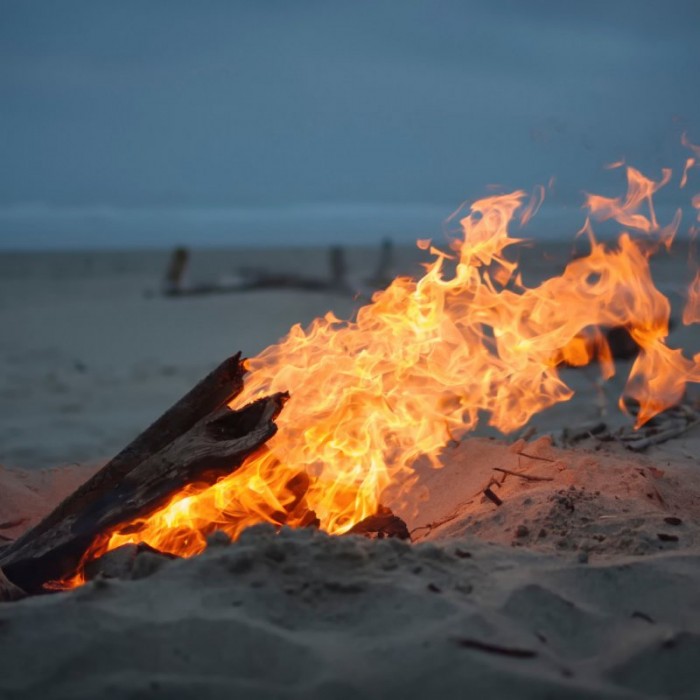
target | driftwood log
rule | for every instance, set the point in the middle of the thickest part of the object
(198, 440)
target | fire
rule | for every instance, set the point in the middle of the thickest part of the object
(691, 313)
(690, 162)
(421, 363)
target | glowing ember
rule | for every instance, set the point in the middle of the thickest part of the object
(418, 365)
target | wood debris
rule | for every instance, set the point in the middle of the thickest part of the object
(198, 440)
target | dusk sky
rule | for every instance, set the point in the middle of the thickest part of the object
(152, 123)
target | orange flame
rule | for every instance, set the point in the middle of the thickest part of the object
(420, 364)
(627, 211)
(690, 162)
(691, 312)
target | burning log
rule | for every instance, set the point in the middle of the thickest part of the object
(198, 440)
(8, 590)
(621, 343)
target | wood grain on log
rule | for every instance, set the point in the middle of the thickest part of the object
(215, 390)
(8, 590)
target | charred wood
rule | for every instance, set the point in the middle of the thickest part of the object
(661, 436)
(622, 345)
(572, 435)
(198, 440)
(8, 590)
(497, 500)
(380, 525)
(216, 389)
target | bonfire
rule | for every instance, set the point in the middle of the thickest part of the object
(318, 429)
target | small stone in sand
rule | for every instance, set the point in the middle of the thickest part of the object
(522, 531)
(665, 537)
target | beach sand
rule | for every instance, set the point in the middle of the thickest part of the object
(582, 584)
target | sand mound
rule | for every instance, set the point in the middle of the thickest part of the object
(301, 614)
(602, 502)
(27, 496)
(545, 595)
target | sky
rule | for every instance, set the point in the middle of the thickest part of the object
(151, 123)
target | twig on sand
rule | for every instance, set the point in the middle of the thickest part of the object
(663, 436)
(543, 459)
(571, 435)
(521, 475)
(492, 496)
(653, 428)
(514, 652)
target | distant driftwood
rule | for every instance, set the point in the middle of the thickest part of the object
(258, 278)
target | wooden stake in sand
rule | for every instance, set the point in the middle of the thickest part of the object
(199, 440)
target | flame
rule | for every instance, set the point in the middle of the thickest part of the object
(691, 161)
(421, 363)
(628, 211)
(691, 312)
